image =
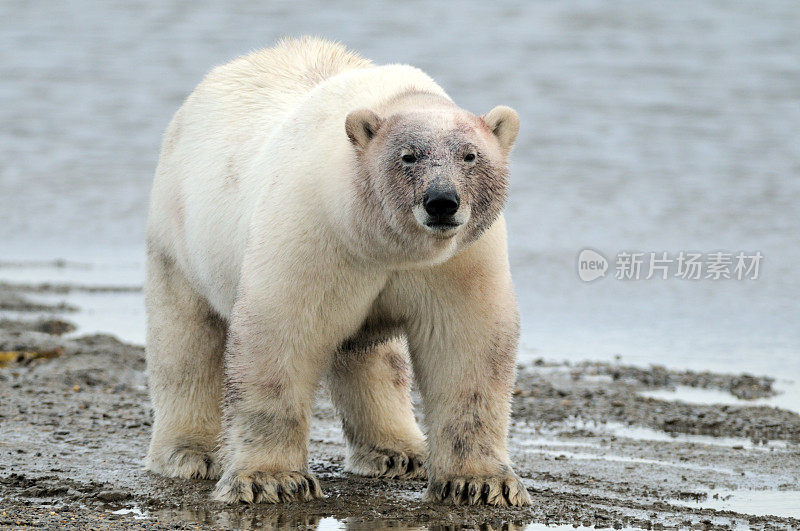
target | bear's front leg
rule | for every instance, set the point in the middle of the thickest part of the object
(292, 312)
(463, 345)
(370, 386)
(269, 387)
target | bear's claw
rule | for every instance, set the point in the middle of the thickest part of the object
(387, 464)
(267, 487)
(506, 490)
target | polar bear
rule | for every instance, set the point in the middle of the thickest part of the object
(312, 217)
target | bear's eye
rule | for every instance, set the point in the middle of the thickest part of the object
(408, 158)
(469, 157)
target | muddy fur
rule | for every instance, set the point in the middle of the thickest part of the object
(186, 385)
(370, 389)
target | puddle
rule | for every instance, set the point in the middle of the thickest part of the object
(542, 527)
(583, 456)
(119, 313)
(788, 396)
(135, 511)
(73, 273)
(552, 446)
(117, 308)
(642, 433)
(333, 523)
(275, 518)
(781, 503)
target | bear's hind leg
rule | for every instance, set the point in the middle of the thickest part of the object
(370, 388)
(185, 345)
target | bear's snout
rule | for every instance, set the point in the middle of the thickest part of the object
(441, 211)
(441, 200)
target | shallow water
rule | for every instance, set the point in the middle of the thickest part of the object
(643, 433)
(783, 503)
(788, 396)
(646, 127)
(238, 519)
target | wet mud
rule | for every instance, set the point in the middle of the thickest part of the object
(592, 451)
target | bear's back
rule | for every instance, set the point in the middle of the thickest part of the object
(258, 90)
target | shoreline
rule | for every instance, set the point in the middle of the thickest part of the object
(591, 447)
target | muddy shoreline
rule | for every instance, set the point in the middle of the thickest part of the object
(75, 421)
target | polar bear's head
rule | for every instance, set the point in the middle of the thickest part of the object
(434, 170)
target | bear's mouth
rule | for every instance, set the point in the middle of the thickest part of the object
(443, 225)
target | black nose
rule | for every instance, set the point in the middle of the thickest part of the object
(440, 202)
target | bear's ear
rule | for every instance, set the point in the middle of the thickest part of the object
(361, 126)
(504, 123)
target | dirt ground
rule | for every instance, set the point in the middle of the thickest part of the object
(593, 452)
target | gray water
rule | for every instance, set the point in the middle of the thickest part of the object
(646, 126)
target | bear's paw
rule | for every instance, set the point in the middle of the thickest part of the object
(501, 490)
(267, 487)
(377, 462)
(184, 461)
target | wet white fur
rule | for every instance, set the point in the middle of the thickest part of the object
(251, 221)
